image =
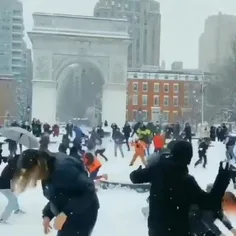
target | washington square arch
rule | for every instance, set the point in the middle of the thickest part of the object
(88, 48)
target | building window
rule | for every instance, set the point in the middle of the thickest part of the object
(175, 116)
(176, 77)
(156, 88)
(156, 101)
(166, 88)
(135, 100)
(186, 77)
(196, 77)
(134, 114)
(186, 88)
(176, 88)
(135, 75)
(145, 115)
(145, 87)
(165, 116)
(144, 100)
(186, 101)
(145, 76)
(166, 101)
(156, 113)
(175, 101)
(156, 76)
(135, 86)
(166, 76)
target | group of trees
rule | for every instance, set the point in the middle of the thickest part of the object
(220, 90)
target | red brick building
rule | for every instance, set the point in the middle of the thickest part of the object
(165, 95)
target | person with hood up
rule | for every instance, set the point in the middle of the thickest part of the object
(173, 191)
(71, 193)
(6, 187)
(127, 131)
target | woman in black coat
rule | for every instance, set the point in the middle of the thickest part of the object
(66, 185)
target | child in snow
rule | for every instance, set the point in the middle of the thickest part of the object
(202, 149)
(140, 150)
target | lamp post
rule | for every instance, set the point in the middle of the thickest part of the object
(202, 98)
(28, 110)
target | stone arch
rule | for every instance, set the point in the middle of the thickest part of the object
(68, 60)
(61, 40)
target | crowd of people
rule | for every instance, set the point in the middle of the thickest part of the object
(177, 205)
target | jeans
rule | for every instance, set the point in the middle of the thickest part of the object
(12, 204)
(119, 146)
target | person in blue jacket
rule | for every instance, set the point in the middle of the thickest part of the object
(70, 192)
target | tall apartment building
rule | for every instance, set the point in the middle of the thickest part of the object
(144, 27)
(12, 47)
(215, 43)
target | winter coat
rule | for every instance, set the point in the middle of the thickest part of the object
(172, 193)
(79, 134)
(118, 137)
(127, 130)
(8, 173)
(68, 188)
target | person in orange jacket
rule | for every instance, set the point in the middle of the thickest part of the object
(159, 142)
(93, 166)
(140, 149)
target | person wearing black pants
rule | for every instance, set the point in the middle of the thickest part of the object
(202, 149)
(101, 153)
(127, 131)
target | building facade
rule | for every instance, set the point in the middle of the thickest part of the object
(166, 96)
(7, 99)
(144, 28)
(177, 65)
(11, 38)
(215, 43)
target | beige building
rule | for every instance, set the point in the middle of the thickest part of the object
(215, 43)
(144, 27)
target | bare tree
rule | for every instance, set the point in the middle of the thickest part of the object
(220, 93)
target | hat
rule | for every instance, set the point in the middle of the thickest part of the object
(182, 152)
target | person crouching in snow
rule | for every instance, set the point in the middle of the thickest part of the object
(93, 165)
(71, 194)
(139, 151)
(6, 187)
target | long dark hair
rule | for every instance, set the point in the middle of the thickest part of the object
(32, 166)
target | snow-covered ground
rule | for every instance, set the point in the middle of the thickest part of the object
(120, 211)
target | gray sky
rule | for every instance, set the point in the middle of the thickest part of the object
(182, 22)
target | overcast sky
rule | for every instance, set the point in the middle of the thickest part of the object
(182, 22)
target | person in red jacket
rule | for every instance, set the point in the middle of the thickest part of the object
(159, 142)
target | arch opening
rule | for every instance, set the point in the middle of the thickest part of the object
(79, 93)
